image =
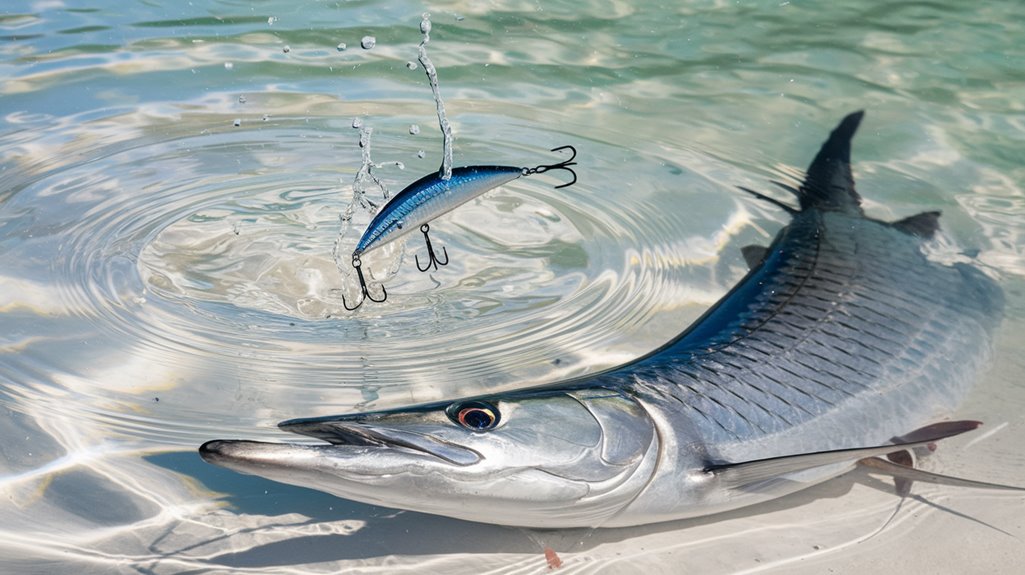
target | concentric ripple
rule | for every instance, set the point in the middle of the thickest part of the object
(193, 259)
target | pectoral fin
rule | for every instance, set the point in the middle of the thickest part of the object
(737, 475)
(876, 465)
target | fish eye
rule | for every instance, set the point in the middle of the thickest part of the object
(474, 415)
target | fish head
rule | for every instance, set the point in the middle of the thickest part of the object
(548, 459)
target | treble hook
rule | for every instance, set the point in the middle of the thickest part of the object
(434, 261)
(560, 166)
(357, 265)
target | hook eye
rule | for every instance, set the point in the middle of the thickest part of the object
(563, 165)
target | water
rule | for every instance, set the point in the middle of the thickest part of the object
(432, 77)
(166, 276)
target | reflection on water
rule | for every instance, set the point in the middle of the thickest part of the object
(166, 276)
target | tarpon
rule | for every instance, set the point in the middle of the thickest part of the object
(843, 336)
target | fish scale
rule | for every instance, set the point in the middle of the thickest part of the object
(889, 326)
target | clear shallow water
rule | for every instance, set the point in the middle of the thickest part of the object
(166, 276)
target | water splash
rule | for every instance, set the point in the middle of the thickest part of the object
(364, 182)
(432, 76)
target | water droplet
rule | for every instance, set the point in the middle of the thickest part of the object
(271, 20)
(421, 154)
(341, 46)
(414, 129)
(228, 65)
(242, 99)
(411, 65)
(266, 117)
(425, 24)
(286, 49)
(357, 123)
(237, 122)
(368, 42)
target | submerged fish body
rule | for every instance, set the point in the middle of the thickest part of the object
(842, 336)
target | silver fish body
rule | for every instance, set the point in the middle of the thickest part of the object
(843, 336)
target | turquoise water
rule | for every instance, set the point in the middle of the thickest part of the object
(171, 181)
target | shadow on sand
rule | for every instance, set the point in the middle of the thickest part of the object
(383, 532)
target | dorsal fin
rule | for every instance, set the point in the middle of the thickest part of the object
(754, 255)
(923, 225)
(829, 184)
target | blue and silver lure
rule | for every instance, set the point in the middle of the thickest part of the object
(430, 197)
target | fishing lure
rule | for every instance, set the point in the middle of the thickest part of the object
(432, 196)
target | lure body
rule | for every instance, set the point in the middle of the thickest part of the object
(428, 198)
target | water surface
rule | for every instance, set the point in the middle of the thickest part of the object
(171, 180)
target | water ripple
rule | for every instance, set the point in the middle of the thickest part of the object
(185, 257)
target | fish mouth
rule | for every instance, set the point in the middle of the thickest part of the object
(343, 432)
(347, 439)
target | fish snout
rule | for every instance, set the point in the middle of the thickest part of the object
(236, 454)
(214, 451)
